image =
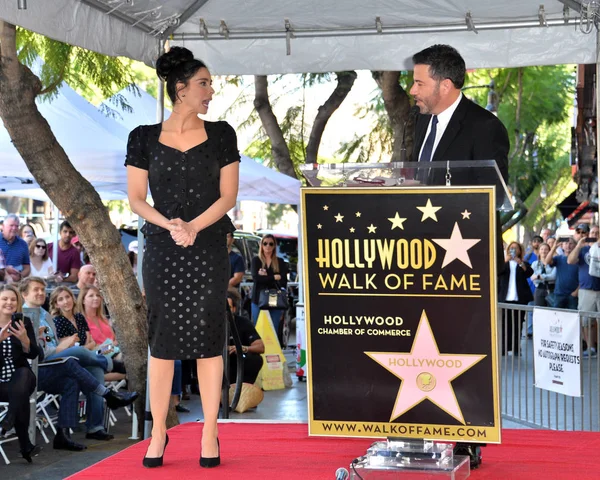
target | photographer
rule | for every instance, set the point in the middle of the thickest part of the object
(589, 286)
(567, 281)
(513, 288)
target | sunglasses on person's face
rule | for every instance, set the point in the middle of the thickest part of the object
(43, 247)
(268, 244)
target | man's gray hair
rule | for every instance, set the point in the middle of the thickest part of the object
(12, 216)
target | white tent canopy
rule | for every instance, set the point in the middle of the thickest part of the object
(285, 36)
(257, 182)
(143, 109)
(96, 146)
(94, 143)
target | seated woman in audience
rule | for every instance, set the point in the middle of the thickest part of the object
(27, 233)
(67, 319)
(91, 304)
(41, 264)
(18, 344)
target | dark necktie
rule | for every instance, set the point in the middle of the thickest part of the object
(426, 154)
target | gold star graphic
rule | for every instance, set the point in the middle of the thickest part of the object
(372, 228)
(429, 211)
(466, 214)
(325, 207)
(319, 226)
(338, 218)
(358, 214)
(397, 221)
(352, 230)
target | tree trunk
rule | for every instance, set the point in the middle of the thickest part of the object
(397, 106)
(78, 201)
(345, 80)
(279, 148)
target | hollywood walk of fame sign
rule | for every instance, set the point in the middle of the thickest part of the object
(401, 312)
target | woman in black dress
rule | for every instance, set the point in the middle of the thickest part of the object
(192, 168)
(18, 344)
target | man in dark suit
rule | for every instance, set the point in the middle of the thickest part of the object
(452, 127)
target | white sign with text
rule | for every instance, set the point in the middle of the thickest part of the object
(557, 351)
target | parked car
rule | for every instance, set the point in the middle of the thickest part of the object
(247, 245)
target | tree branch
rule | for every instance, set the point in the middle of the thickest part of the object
(279, 148)
(345, 80)
(397, 106)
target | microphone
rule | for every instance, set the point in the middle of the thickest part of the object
(341, 474)
(412, 113)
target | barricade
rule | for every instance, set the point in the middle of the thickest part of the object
(521, 401)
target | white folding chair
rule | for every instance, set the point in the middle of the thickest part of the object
(42, 402)
(3, 410)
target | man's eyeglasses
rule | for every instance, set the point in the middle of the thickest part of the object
(268, 244)
(43, 247)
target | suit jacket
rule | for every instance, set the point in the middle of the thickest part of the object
(473, 133)
(523, 291)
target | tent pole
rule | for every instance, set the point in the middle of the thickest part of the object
(160, 108)
(55, 239)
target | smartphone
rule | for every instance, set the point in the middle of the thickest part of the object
(16, 318)
(563, 239)
(590, 240)
(513, 252)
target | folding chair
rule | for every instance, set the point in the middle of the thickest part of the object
(3, 410)
(116, 386)
(43, 400)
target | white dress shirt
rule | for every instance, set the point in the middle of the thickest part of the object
(443, 121)
(511, 294)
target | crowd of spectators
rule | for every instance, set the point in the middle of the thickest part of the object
(561, 272)
(75, 345)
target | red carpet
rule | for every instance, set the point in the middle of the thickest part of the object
(279, 451)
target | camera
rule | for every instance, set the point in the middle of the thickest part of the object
(513, 252)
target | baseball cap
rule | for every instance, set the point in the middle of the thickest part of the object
(583, 228)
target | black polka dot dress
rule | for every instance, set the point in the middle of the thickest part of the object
(185, 287)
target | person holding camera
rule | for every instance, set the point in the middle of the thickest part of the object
(585, 255)
(513, 288)
(567, 276)
(17, 382)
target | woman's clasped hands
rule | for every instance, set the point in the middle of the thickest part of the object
(182, 232)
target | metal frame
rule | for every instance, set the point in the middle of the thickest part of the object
(104, 8)
(358, 31)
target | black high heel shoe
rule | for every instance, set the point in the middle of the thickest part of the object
(153, 462)
(212, 461)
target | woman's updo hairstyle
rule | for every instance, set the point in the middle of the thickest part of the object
(177, 65)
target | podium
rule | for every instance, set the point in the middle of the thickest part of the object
(400, 292)
(404, 174)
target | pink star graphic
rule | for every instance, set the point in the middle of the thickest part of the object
(426, 373)
(456, 247)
